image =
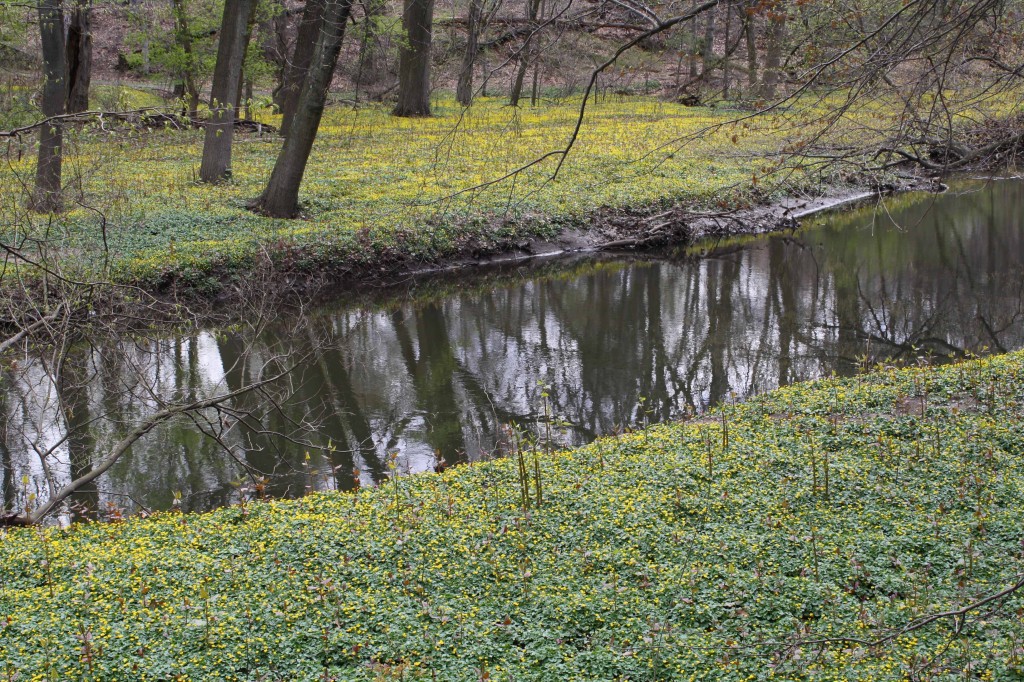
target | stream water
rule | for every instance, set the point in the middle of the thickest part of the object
(437, 371)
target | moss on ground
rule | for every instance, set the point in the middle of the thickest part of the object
(707, 550)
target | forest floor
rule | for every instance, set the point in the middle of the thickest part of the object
(813, 532)
(384, 196)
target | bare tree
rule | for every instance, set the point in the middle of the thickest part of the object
(773, 55)
(189, 78)
(79, 55)
(295, 71)
(372, 50)
(227, 80)
(281, 196)
(708, 53)
(750, 36)
(275, 47)
(47, 196)
(414, 59)
(525, 52)
(464, 90)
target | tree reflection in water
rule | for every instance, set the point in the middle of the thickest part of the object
(618, 342)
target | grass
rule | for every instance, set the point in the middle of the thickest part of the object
(380, 189)
(705, 550)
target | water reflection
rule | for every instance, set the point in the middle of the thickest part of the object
(613, 344)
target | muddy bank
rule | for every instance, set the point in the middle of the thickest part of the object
(301, 273)
(615, 230)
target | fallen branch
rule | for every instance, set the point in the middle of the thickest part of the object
(148, 117)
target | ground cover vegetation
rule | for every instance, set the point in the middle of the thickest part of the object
(799, 96)
(886, 546)
(241, 153)
(381, 187)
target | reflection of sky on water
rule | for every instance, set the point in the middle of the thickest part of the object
(618, 344)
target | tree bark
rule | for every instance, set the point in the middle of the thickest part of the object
(225, 91)
(79, 55)
(464, 90)
(243, 75)
(535, 61)
(183, 34)
(371, 53)
(708, 56)
(296, 70)
(728, 51)
(240, 89)
(750, 32)
(773, 55)
(281, 197)
(47, 195)
(532, 9)
(275, 49)
(692, 61)
(248, 100)
(414, 59)
(486, 74)
(517, 85)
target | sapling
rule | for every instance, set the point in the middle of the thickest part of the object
(725, 431)
(814, 469)
(524, 480)
(85, 637)
(204, 595)
(706, 436)
(814, 551)
(393, 466)
(825, 458)
(46, 560)
(536, 479)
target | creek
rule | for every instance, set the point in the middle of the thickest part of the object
(439, 369)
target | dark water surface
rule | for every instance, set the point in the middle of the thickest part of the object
(612, 343)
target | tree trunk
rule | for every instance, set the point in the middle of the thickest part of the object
(535, 61)
(535, 85)
(275, 49)
(371, 53)
(248, 94)
(302, 56)
(47, 195)
(517, 84)
(281, 197)
(239, 90)
(242, 74)
(532, 9)
(145, 55)
(750, 31)
(692, 62)
(414, 59)
(708, 56)
(227, 77)
(79, 55)
(183, 34)
(464, 90)
(773, 55)
(727, 54)
(486, 74)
